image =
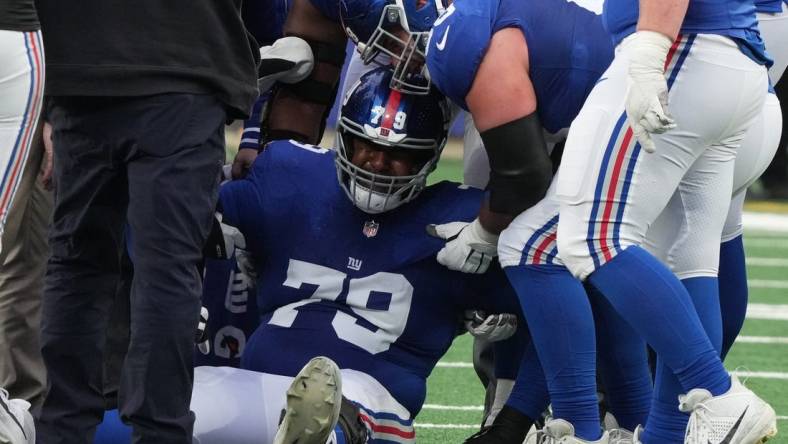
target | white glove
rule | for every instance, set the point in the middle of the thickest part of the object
(495, 327)
(288, 60)
(235, 245)
(469, 247)
(647, 88)
(202, 339)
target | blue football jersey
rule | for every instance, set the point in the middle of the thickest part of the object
(568, 50)
(771, 6)
(731, 18)
(364, 290)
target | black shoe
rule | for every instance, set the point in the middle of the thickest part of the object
(509, 427)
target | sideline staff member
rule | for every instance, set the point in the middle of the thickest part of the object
(138, 94)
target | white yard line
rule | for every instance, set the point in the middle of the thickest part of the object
(760, 375)
(767, 262)
(765, 242)
(765, 221)
(762, 340)
(767, 311)
(450, 364)
(744, 374)
(453, 407)
(446, 426)
(766, 283)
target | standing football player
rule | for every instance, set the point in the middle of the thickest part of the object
(673, 240)
(668, 91)
(475, 49)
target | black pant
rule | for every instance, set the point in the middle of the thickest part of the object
(152, 162)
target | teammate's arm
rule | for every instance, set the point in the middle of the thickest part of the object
(302, 108)
(663, 16)
(502, 102)
(299, 110)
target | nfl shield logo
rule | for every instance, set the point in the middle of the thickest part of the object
(370, 228)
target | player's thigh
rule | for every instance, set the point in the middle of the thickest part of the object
(235, 406)
(759, 145)
(665, 229)
(705, 201)
(611, 191)
(21, 95)
(531, 237)
(733, 221)
(774, 31)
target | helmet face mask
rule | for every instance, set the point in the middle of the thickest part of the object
(400, 125)
(399, 38)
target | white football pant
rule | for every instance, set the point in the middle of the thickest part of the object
(611, 191)
(235, 406)
(21, 95)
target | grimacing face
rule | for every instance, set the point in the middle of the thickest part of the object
(385, 160)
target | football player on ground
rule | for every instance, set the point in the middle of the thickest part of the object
(668, 91)
(347, 272)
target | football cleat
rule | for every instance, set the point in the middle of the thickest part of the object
(621, 436)
(313, 403)
(509, 427)
(738, 416)
(559, 431)
(618, 434)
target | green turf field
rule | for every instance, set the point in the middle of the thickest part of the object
(455, 396)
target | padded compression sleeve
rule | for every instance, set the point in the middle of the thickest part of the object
(520, 169)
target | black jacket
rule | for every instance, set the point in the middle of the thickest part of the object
(144, 47)
(18, 15)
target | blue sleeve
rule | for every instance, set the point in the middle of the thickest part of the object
(458, 42)
(240, 203)
(250, 137)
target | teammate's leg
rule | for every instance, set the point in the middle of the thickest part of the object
(558, 313)
(604, 215)
(622, 364)
(21, 96)
(758, 148)
(733, 276)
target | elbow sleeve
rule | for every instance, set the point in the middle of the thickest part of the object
(520, 168)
